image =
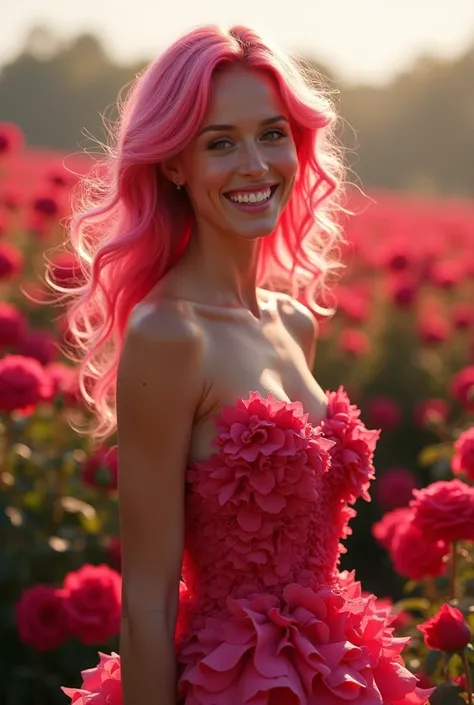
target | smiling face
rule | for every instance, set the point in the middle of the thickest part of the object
(239, 171)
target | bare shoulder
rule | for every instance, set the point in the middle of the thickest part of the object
(160, 364)
(300, 322)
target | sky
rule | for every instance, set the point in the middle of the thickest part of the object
(361, 40)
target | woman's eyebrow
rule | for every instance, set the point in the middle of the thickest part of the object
(225, 128)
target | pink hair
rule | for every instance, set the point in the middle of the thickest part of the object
(129, 224)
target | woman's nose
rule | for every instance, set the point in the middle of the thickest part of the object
(253, 162)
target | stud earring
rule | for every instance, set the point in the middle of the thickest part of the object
(178, 185)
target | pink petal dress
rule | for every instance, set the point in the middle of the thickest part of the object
(265, 616)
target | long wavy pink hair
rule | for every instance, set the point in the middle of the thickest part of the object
(129, 224)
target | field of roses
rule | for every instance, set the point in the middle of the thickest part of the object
(402, 343)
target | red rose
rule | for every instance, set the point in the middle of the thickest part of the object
(12, 324)
(414, 556)
(463, 460)
(38, 344)
(462, 388)
(394, 488)
(11, 260)
(11, 138)
(93, 603)
(462, 315)
(385, 530)
(23, 383)
(446, 631)
(100, 470)
(433, 328)
(65, 382)
(41, 618)
(445, 511)
(65, 270)
(383, 413)
(402, 290)
(431, 413)
(354, 342)
(46, 205)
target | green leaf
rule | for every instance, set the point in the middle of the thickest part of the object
(432, 661)
(410, 604)
(447, 694)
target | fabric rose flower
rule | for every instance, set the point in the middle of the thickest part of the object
(332, 644)
(463, 460)
(101, 685)
(416, 557)
(259, 426)
(100, 470)
(23, 383)
(445, 511)
(93, 603)
(41, 617)
(447, 630)
(352, 455)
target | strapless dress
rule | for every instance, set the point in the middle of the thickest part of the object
(265, 615)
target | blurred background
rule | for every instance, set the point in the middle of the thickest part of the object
(401, 342)
(405, 72)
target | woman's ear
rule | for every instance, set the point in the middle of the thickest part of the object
(170, 169)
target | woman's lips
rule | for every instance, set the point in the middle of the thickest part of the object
(257, 206)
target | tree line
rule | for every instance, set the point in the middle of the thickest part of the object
(416, 133)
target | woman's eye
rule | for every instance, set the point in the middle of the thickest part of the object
(276, 134)
(272, 135)
(219, 142)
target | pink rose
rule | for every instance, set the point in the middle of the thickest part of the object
(11, 261)
(445, 511)
(23, 383)
(11, 138)
(394, 488)
(38, 344)
(430, 413)
(385, 530)
(101, 685)
(463, 460)
(41, 617)
(416, 557)
(100, 470)
(462, 388)
(446, 631)
(354, 342)
(93, 603)
(12, 324)
(384, 413)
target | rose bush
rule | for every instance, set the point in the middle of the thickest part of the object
(401, 342)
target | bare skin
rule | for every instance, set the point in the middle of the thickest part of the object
(273, 354)
(203, 337)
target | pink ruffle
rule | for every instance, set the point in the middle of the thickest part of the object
(307, 648)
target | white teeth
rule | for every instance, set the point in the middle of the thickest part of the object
(256, 197)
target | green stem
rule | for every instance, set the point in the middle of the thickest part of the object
(467, 669)
(454, 565)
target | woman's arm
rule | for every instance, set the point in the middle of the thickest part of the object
(158, 391)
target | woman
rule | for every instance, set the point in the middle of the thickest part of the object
(214, 221)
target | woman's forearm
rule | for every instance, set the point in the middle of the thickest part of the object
(148, 662)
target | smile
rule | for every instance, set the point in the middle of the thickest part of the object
(252, 201)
